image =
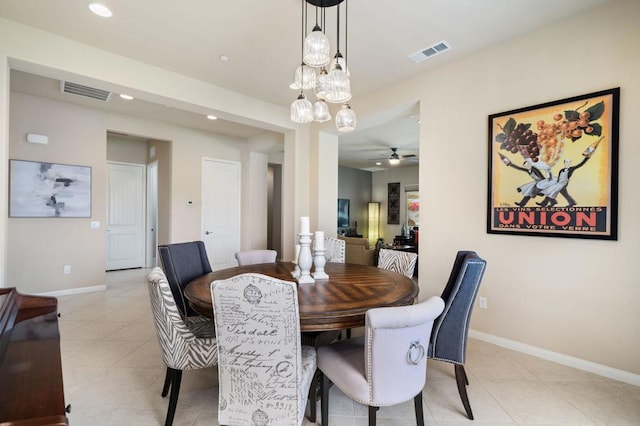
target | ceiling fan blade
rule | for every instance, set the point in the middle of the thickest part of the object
(407, 156)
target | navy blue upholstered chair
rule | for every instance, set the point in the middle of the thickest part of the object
(449, 335)
(182, 262)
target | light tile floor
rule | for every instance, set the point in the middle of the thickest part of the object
(113, 375)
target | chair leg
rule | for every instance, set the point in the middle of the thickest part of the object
(417, 402)
(372, 415)
(324, 402)
(176, 378)
(463, 381)
(167, 383)
(313, 396)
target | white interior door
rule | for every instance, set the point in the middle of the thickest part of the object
(125, 216)
(221, 212)
(152, 214)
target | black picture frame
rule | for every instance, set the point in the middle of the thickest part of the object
(553, 168)
(343, 213)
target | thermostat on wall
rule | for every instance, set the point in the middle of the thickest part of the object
(34, 138)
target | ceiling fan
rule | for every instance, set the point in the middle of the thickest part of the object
(395, 158)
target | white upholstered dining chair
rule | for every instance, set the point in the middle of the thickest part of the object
(252, 257)
(335, 249)
(264, 372)
(386, 366)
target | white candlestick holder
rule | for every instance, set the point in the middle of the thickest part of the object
(305, 260)
(319, 261)
(296, 270)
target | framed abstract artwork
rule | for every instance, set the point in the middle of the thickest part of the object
(38, 189)
(553, 168)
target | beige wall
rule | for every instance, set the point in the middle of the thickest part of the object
(163, 157)
(39, 247)
(126, 150)
(576, 297)
(78, 135)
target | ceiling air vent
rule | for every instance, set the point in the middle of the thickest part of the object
(430, 51)
(86, 91)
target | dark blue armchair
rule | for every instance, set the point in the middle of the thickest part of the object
(449, 336)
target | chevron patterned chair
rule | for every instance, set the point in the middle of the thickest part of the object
(335, 249)
(449, 337)
(181, 349)
(264, 372)
(398, 261)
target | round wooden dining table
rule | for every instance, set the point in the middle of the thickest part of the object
(336, 303)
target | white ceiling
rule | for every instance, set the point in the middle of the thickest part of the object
(262, 39)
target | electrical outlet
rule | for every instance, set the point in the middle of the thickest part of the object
(483, 303)
(67, 269)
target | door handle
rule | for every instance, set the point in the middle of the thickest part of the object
(207, 232)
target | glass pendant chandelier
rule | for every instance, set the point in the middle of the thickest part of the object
(330, 83)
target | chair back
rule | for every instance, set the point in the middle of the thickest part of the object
(182, 262)
(401, 262)
(181, 349)
(396, 342)
(258, 330)
(251, 257)
(335, 249)
(449, 337)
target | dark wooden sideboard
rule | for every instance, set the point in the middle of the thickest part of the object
(31, 391)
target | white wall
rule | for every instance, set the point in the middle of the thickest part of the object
(575, 297)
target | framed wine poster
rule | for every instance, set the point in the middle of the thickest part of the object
(553, 168)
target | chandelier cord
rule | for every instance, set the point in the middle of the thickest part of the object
(346, 34)
(302, 31)
(338, 29)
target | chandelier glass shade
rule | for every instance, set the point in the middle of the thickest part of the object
(316, 51)
(301, 110)
(328, 78)
(338, 86)
(346, 119)
(304, 78)
(321, 111)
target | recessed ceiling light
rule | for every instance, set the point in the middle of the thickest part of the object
(126, 97)
(378, 164)
(212, 117)
(224, 58)
(100, 10)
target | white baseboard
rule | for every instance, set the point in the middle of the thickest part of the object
(581, 364)
(74, 291)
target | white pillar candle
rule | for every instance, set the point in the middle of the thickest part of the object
(304, 225)
(319, 241)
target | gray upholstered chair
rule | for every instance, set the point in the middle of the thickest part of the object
(182, 262)
(449, 337)
(251, 257)
(388, 365)
(334, 249)
(398, 261)
(181, 349)
(264, 372)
